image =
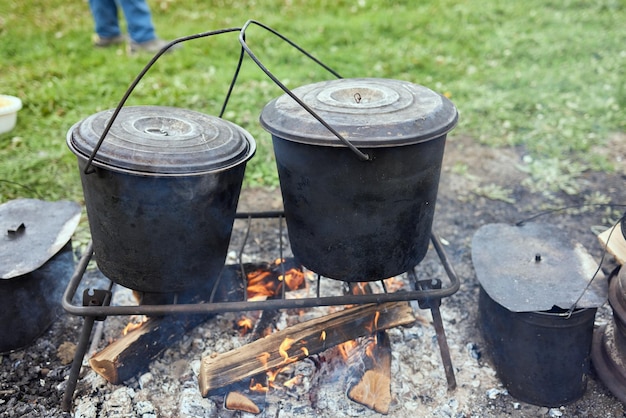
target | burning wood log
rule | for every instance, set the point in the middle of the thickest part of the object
(373, 389)
(239, 402)
(132, 353)
(370, 358)
(299, 341)
(243, 398)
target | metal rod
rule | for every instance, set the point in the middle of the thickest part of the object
(88, 169)
(79, 272)
(242, 40)
(455, 284)
(77, 363)
(220, 307)
(443, 346)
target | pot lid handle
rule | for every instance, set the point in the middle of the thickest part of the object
(15, 230)
(242, 39)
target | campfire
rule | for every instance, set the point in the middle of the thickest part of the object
(242, 376)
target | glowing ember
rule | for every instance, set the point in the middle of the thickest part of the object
(293, 278)
(359, 288)
(256, 386)
(136, 322)
(394, 284)
(267, 282)
(294, 381)
(245, 325)
(374, 325)
(345, 349)
(369, 350)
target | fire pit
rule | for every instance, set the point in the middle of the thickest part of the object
(95, 303)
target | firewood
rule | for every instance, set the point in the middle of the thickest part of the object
(244, 388)
(132, 353)
(369, 360)
(613, 240)
(373, 389)
(299, 341)
(239, 402)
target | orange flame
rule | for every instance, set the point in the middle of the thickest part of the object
(245, 325)
(256, 386)
(393, 284)
(294, 381)
(293, 278)
(136, 322)
(345, 349)
(359, 289)
(284, 346)
(263, 358)
(369, 350)
(374, 325)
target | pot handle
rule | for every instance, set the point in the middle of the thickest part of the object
(88, 169)
(242, 39)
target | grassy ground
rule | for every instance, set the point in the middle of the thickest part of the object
(547, 76)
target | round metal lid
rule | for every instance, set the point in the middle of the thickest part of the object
(368, 112)
(28, 238)
(536, 266)
(162, 140)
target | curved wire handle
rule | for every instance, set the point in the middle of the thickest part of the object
(88, 169)
(361, 155)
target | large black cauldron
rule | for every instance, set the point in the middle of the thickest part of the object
(162, 200)
(350, 219)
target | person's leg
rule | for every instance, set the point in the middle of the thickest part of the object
(138, 20)
(105, 16)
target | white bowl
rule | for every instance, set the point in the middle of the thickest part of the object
(9, 106)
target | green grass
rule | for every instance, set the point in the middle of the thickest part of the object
(547, 76)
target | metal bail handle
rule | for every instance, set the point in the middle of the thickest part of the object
(242, 35)
(88, 168)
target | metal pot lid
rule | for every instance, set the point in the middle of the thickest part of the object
(162, 140)
(32, 231)
(534, 267)
(368, 112)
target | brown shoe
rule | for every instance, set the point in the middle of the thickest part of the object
(102, 42)
(153, 46)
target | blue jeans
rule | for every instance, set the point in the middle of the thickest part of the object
(136, 12)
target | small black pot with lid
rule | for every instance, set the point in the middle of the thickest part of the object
(36, 263)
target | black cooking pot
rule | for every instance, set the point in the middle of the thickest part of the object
(162, 200)
(36, 263)
(542, 358)
(351, 219)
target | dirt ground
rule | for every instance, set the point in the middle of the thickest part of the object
(479, 185)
